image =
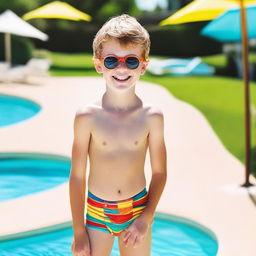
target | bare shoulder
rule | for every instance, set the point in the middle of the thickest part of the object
(87, 111)
(84, 115)
(154, 114)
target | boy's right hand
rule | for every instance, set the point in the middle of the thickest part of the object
(81, 246)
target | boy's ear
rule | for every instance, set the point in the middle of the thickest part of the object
(97, 65)
(144, 67)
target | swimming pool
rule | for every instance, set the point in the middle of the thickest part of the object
(172, 236)
(23, 174)
(15, 109)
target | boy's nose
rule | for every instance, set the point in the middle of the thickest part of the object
(121, 64)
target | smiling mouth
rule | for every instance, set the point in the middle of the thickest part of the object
(122, 80)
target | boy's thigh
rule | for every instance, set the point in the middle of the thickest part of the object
(101, 243)
(142, 250)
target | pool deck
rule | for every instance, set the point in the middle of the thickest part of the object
(203, 177)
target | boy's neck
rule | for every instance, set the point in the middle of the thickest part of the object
(120, 102)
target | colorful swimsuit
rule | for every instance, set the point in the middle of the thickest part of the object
(114, 216)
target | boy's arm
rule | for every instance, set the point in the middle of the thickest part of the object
(77, 179)
(158, 160)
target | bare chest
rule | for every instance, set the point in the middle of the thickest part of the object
(124, 133)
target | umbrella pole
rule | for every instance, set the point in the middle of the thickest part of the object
(7, 42)
(246, 94)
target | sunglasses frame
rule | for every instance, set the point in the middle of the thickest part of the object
(121, 59)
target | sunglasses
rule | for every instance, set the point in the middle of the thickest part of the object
(112, 61)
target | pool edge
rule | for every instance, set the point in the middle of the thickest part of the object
(190, 222)
(68, 224)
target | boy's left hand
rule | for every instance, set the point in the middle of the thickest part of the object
(136, 232)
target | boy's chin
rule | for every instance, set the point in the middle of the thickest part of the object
(121, 86)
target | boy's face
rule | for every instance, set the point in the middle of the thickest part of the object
(120, 77)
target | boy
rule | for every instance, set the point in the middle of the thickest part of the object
(115, 133)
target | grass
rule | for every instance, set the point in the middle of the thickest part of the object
(220, 99)
(218, 60)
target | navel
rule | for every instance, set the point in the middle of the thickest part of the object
(119, 191)
(136, 142)
(104, 143)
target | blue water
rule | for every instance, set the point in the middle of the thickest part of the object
(21, 176)
(15, 109)
(169, 239)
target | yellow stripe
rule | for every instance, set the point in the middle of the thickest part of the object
(95, 208)
(95, 211)
(96, 216)
(123, 205)
(139, 208)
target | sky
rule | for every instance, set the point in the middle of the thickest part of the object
(150, 5)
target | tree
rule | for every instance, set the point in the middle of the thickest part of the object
(177, 4)
(18, 6)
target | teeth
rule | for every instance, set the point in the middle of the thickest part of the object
(121, 79)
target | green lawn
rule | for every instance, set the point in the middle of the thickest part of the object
(220, 99)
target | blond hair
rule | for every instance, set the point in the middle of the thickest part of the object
(126, 29)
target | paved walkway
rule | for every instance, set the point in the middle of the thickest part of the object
(203, 177)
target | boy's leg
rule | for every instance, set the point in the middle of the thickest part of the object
(100, 242)
(142, 250)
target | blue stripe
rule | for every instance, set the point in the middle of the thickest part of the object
(98, 228)
(91, 195)
(111, 211)
(118, 227)
(141, 194)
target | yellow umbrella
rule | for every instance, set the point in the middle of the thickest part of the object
(203, 10)
(59, 10)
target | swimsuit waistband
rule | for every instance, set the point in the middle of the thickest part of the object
(134, 198)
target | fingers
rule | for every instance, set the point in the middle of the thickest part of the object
(126, 237)
(137, 241)
(127, 234)
(131, 240)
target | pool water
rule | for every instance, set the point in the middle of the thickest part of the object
(170, 238)
(23, 176)
(16, 109)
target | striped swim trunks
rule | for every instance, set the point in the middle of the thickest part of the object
(114, 216)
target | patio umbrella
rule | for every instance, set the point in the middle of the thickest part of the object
(10, 23)
(57, 10)
(203, 10)
(226, 27)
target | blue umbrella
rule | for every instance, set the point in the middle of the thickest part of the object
(227, 27)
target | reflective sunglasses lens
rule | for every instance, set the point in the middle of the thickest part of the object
(132, 62)
(110, 62)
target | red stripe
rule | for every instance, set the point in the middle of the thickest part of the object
(92, 223)
(141, 201)
(119, 219)
(100, 205)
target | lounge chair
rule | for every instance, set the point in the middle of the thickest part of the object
(179, 67)
(34, 67)
(4, 66)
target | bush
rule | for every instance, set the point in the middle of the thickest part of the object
(73, 40)
(21, 49)
(182, 41)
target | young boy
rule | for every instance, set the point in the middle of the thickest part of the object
(115, 133)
